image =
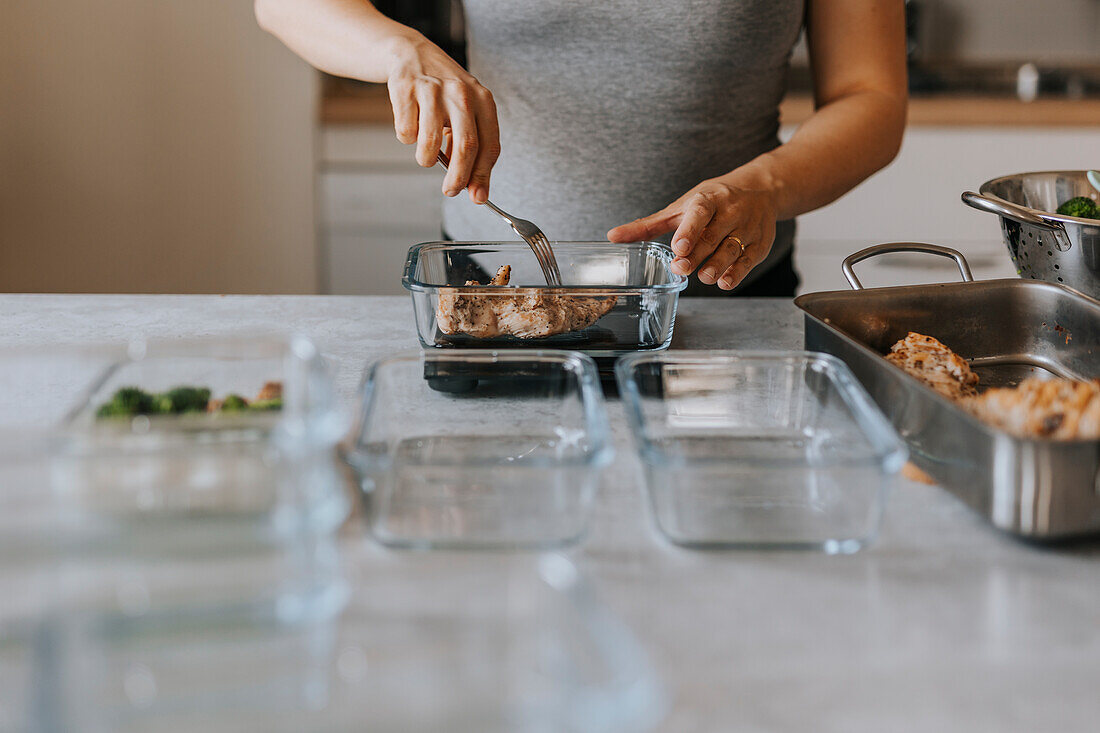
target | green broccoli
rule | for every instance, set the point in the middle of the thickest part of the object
(234, 403)
(127, 401)
(267, 405)
(184, 399)
(1080, 206)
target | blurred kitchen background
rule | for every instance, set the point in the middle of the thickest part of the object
(173, 146)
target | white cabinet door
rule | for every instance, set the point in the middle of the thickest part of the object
(916, 198)
(374, 203)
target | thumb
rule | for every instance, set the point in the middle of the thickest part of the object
(645, 228)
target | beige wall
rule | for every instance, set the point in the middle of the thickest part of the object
(153, 146)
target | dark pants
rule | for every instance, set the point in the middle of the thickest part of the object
(780, 281)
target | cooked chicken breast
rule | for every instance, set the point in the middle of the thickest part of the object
(526, 313)
(1061, 409)
(936, 365)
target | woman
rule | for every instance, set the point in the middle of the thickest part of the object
(608, 111)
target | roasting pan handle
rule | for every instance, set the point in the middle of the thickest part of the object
(1007, 209)
(878, 249)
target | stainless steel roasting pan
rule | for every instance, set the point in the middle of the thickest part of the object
(1009, 329)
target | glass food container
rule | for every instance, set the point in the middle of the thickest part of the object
(195, 513)
(427, 643)
(480, 448)
(759, 449)
(210, 673)
(38, 386)
(630, 284)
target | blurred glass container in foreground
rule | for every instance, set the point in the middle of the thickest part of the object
(38, 386)
(637, 275)
(138, 554)
(427, 643)
(162, 506)
(499, 643)
(759, 449)
(214, 672)
(480, 448)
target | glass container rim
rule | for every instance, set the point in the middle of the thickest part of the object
(887, 447)
(676, 282)
(580, 366)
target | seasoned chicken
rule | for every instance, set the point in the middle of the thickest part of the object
(526, 313)
(934, 364)
(1061, 409)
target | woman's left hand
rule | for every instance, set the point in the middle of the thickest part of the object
(722, 230)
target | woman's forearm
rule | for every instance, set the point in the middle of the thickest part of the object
(857, 55)
(437, 104)
(842, 144)
(342, 37)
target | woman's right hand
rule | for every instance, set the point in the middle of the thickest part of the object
(440, 106)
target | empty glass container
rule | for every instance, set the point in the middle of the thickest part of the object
(759, 449)
(480, 448)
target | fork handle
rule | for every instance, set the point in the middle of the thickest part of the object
(549, 266)
(444, 161)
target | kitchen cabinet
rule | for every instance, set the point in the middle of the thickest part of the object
(376, 202)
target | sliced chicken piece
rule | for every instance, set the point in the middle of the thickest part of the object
(526, 313)
(1061, 409)
(934, 364)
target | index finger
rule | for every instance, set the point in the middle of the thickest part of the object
(697, 214)
(645, 228)
(488, 145)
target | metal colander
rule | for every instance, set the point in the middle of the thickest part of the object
(1044, 245)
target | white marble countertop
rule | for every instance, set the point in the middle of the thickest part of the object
(942, 625)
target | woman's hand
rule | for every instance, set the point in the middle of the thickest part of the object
(722, 230)
(436, 103)
(439, 106)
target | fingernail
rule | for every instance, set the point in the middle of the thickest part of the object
(709, 274)
(681, 266)
(681, 246)
(452, 192)
(727, 282)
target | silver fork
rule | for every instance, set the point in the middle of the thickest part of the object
(529, 233)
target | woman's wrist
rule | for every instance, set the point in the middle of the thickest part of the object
(402, 48)
(757, 175)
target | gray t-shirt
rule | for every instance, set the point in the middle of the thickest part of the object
(611, 109)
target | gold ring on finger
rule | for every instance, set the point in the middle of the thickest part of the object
(739, 242)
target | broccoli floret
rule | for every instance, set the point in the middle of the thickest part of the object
(127, 401)
(183, 399)
(111, 409)
(267, 405)
(234, 403)
(1080, 206)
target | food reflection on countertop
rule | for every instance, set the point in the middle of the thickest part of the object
(182, 400)
(526, 313)
(1057, 409)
